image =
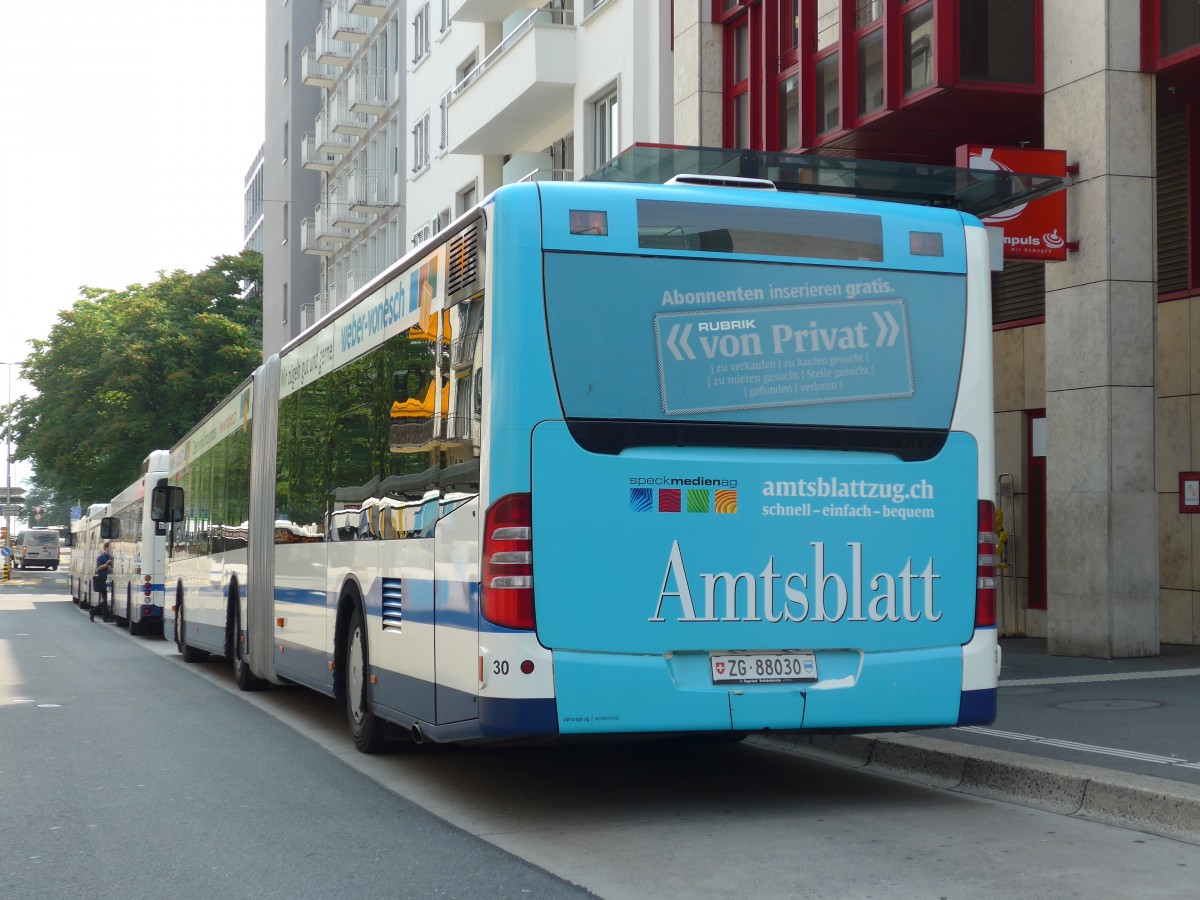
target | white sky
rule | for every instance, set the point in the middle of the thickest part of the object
(129, 126)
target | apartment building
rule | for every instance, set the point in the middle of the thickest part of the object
(290, 276)
(252, 205)
(417, 109)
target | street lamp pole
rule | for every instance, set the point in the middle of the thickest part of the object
(8, 457)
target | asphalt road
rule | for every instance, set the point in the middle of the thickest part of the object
(127, 773)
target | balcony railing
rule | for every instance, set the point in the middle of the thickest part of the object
(345, 120)
(311, 242)
(330, 50)
(326, 230)
(547, 15)
(315, 73)
(549, 175)
(369, 190)
(368, 90)
(347, 25)
(312, 158)
(529, 95)
(329, 141)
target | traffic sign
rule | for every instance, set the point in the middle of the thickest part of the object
(11, 509)
(12, 495)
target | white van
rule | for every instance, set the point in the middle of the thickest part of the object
(36, 548)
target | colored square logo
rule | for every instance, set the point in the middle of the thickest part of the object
(725, 501)
(640, 499)
(669, 500)
(697, 501)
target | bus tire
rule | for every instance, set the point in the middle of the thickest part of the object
(366, 728)
(190, 654)
(245, 678)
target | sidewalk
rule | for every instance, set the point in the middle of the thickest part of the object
(1111, 740)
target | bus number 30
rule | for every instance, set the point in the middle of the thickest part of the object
(500, 667)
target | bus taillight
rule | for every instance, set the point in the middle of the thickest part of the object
(507, 591)
(985, 578)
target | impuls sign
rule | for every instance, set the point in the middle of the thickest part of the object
(1035, 231)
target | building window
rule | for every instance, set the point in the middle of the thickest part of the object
(789, 112)
(287, 59)
(420, 135)
(870, 72)
(828, 88)
(465, 198)
(917, 38)
(996, 40)
(285, 303)
(605, 129)
(421, 33)
(445, 23)
(829, 20)
(287, 215)
(287, 143)
(739, 89)
(1179, 26)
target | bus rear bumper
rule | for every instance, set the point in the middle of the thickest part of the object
(856, 690)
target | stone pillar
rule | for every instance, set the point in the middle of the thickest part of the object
(697, 75)
(1102, 506)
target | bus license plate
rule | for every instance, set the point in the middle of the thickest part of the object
(762, 668)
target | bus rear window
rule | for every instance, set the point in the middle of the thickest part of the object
(760, 231)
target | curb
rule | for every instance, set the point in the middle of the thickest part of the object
(1158, 806)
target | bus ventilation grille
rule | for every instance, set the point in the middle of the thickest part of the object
(462, 278)
(393, 604)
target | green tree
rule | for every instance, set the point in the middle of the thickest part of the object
(126, 372)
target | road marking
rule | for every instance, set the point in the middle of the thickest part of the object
(1083, 679)
(1084, 748)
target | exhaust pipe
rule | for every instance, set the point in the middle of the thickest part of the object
(417, 736)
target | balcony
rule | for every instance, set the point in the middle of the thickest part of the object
(483, 10)
(345, 120)
(330, 50)
(376, 8)
(345, 217)
(347, 25)
(369, 191)
(522, 90)
(329, 141)
(310, 242)
(315, 73)
(312, 158)
(308, 316)
(368, 90)
(326, 230)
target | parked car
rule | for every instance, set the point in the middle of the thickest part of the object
(36, 548)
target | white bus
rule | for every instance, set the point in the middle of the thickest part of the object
(75, 573)
(139, 549)
(85, 547)
(623, 459)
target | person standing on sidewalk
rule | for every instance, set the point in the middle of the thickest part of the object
(104, 566)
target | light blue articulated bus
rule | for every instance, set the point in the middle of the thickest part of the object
(617, 459)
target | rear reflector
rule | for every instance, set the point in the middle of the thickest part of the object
(985, 577)
(506, 596)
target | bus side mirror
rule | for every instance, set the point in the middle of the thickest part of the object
(166, 504)
(110, 528)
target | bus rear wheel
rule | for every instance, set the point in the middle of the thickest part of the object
(190, 654)
(366, 728)
(242, 674)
